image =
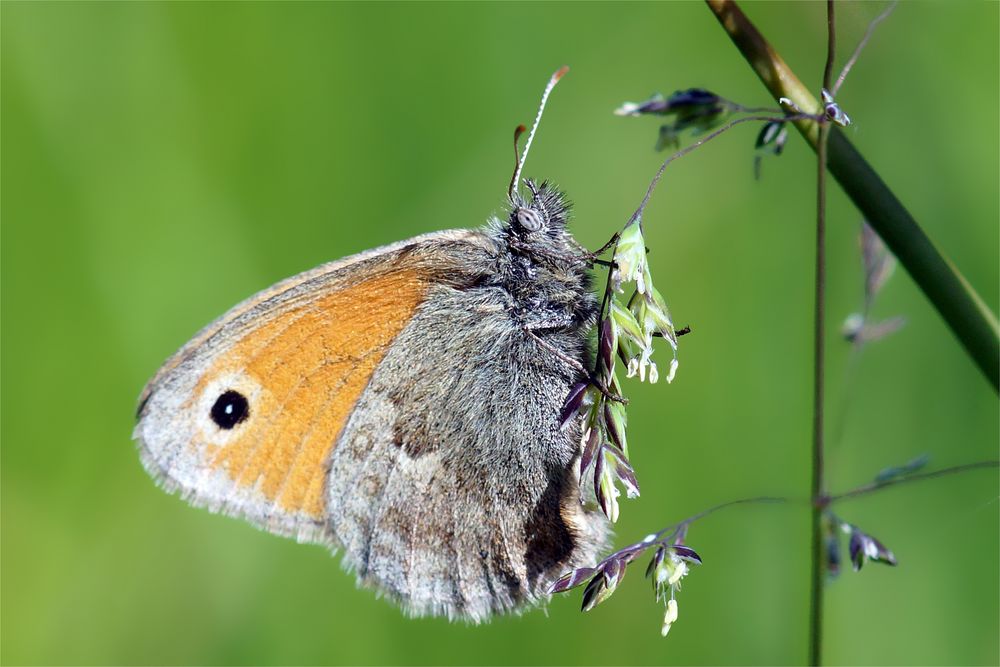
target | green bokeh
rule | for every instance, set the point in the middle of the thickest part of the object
(161, 162)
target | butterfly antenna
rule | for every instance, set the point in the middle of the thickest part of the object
(518, 131)
(519, 163)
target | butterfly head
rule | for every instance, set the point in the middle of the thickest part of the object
(536, 225)
(544, 214)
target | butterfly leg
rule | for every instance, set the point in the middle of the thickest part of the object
(607, 246)
(539, 322)
(568, 360)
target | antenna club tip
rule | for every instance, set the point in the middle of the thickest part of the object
(560, 73)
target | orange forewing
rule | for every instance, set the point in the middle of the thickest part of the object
(312, 362)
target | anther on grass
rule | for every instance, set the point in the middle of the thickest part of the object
(864, 547)
(771, 139)
(832, 110)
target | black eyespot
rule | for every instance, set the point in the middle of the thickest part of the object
(230, 409)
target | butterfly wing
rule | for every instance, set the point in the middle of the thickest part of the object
(243, 418)
(389, 405)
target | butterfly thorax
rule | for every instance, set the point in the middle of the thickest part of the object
(541, 265)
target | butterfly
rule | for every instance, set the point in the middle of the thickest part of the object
(402, 406)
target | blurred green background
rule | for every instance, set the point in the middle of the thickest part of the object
(161, 162)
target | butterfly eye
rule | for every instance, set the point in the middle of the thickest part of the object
(230, 409)
(529, 219)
